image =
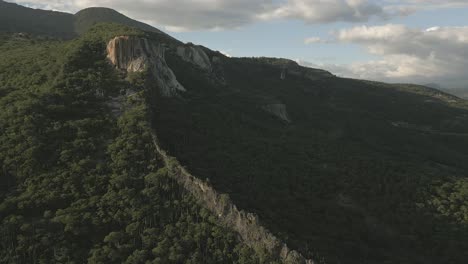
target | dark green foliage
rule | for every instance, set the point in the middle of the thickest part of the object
(365, 173)
(80, 185)
(86, 18)
(15, 18)
(19, 19)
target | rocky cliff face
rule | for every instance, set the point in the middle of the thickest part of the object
(136, 54)
(194, 55)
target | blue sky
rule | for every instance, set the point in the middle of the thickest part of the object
(385, 40)
(285, 38)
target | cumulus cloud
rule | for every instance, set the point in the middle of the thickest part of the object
(180, 15)
(326, 11)
(174, 15)
(314, 40)
(436, 54)
(184, 15)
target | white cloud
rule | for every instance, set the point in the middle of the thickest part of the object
(185, 15)
(177, 15)
(326, 11)
(436, 54)
(314, 40)
(448, 43)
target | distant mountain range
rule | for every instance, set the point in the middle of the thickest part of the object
(460, 92)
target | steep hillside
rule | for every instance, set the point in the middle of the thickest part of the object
(86, 18)
(81, 181)
(15, 18)
(19, 19)
(348, 170)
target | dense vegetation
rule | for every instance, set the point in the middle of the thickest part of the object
(365, 173)
(86, 18)
(19, 19)
(15, 18)
(79, 184)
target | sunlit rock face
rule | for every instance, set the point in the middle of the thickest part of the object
(136, 54)
(195, 55)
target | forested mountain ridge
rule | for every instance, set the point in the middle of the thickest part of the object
(342, 170)
(82, 182)
(15, 18)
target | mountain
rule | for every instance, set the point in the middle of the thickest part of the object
(125, 145)
(460, 92)
(17, 18)
(86, 18)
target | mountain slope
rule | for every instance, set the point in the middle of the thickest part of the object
(20, 19)
(16, 18)
(86, 18)
(357, 175)
(83, 183)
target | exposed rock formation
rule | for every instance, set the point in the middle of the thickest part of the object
(278, 110)
(289, 67)
(135, 54)
(195, 55)
(245, 224)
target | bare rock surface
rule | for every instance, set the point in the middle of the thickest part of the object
(194, 55)
(136, 54)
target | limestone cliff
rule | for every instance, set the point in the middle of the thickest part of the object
(136, 54)
(195, 55)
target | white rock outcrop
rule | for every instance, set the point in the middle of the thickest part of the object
(195, 55)
(136, 54)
